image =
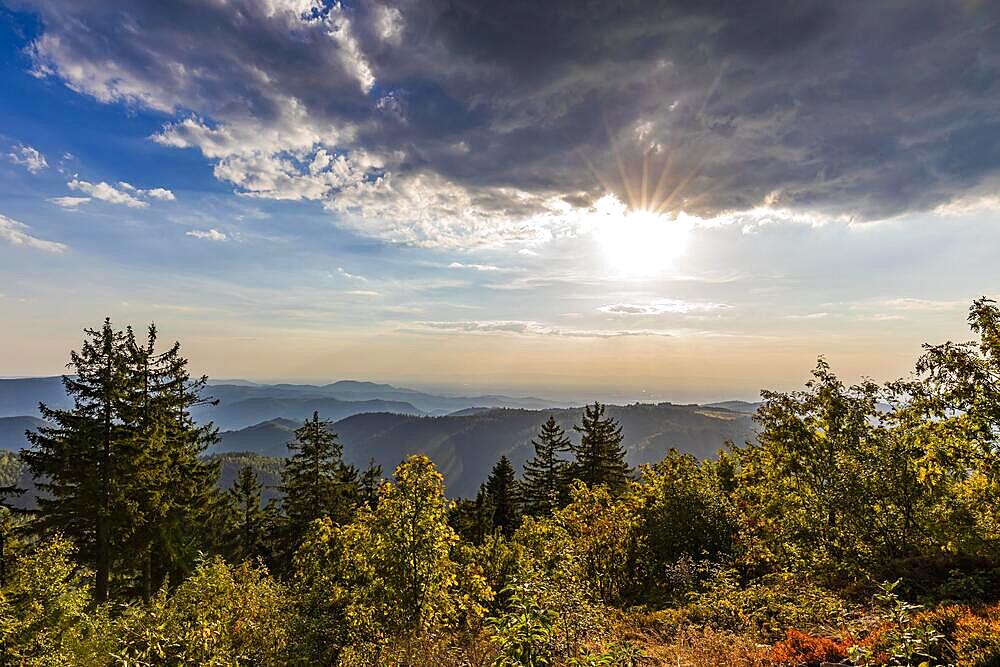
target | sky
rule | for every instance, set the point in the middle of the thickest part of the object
(673, 201)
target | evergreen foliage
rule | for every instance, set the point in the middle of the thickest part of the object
(545, 484)
(600, 456)
(315, 483)
(247, 532)
(121, 470)
(500, 494)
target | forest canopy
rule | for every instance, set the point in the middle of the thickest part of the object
(861, 527)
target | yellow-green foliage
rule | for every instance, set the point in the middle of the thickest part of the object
(601, 536)
(220, 615)
(44, 608)
(765, 608)
(388, 573)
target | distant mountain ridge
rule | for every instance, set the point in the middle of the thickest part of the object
(242, 403)
(744, 407)
(465, 446)
(463, 435)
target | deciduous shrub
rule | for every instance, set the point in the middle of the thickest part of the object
(800, 648)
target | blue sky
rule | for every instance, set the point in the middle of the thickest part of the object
(673, 200)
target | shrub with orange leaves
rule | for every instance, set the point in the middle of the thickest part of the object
(800, 648)
(977, 638)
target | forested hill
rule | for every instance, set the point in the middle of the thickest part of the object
(466, 446)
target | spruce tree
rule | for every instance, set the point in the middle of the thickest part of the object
(501, 492)
(120, 470)
(244, 498)
(543, 489)
(78, 461)
(315, 482)
(173, 488)
(600, 457)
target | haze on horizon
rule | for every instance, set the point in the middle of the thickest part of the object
(687, 201)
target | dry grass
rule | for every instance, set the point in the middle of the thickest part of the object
(704, 647)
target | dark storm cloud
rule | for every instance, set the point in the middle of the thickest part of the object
(865, 109)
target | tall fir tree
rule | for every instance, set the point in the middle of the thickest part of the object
(120, 470)
(600, 456)
(78, 462)
(247, 536)
(501, 494)
(173, 488)
(315, 482)
(545, 484)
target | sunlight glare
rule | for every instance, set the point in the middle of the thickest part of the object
(640, 242)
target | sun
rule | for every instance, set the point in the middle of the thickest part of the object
(639, 242)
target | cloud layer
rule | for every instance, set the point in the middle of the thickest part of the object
(16, 233)
(443, 124)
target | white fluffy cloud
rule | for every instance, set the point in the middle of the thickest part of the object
(126, 194)
(160, 193)
(106, 192)
(424, 209)
(28, 157)
(155, 193)
(16, 233)
(208, 234)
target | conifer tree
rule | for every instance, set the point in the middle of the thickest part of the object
(173, 488)
(77, 462)
(545, 483)
(501, 492)
(369, 483)
(600, 456)
(244, 497)
(120, 471)
(315, 482)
